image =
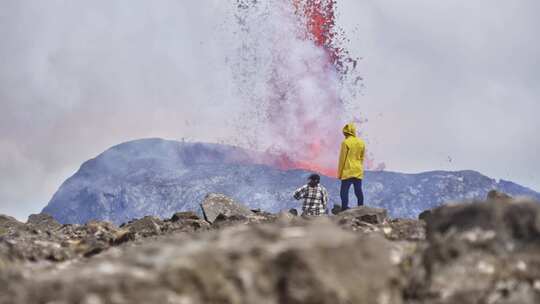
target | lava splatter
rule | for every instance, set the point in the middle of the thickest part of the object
(292, 68)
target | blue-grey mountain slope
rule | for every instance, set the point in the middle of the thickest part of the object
(159, 177)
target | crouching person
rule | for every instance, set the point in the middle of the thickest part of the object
(314, 196)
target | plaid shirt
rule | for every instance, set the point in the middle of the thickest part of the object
(315, 199)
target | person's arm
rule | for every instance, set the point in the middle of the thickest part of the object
(362, 153)
(342, 158)
(325, 199)
(299, 193)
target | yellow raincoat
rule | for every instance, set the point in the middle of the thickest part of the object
(351, 157)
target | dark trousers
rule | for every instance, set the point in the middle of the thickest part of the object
(345, 186)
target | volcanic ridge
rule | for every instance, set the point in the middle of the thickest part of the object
(160, 177)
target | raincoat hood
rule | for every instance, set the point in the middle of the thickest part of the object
(349, 129)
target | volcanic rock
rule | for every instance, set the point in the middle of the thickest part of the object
(313, 263)
(7, 223)
(336, 209)
(479, 253)
(497, 195)
(405, 229)
(188, 215)
(216, 204)
(424, 215)
(517, 223)
(365, 214)
(43, 239)
(187, 225)
(145, 227)
(288, 214)
(25, 244)
(43, 221)
(374, 220)
(222, 221)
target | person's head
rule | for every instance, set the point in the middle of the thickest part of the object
(349, 130)
(313, 180)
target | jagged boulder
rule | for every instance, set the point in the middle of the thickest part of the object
(222, 220)
(405, 230)
(37, 240)
(185, 222)
(188, 215)
(366, 214)
(43, 222)
(365, 219)
(145, 227)
(517, 223)
(497, 195)
(375, 220)
(424, 215)
(96, 237)
(8, 223)
(479, 253)
(33, 245)
(216, 204)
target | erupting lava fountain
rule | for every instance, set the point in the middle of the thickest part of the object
(292, 66)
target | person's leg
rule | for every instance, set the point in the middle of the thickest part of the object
(344, 193)
(358, 191)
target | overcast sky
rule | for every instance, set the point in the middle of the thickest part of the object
(448, 84)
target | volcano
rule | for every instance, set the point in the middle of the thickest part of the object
(160, 177)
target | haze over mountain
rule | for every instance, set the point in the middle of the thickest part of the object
(159, 177)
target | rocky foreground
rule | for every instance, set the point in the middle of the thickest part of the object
(486, 252)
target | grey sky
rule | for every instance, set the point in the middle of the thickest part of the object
(443, 79)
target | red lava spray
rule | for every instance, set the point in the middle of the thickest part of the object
(298, 66)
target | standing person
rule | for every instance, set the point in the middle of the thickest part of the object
(314, 195)
(351, 166)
